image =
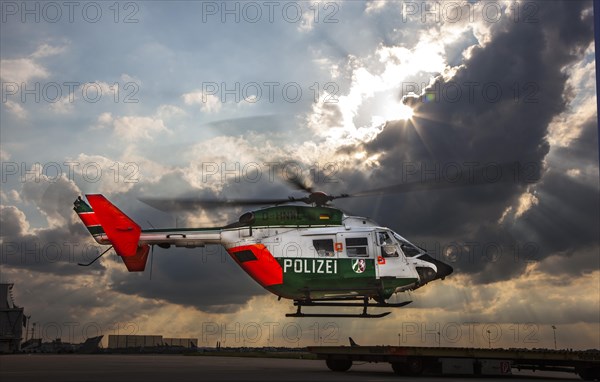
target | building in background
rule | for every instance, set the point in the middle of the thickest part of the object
(12, 321)
(149, 341)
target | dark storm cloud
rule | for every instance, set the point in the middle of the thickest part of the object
(567, 220)
(562, 231)
(518, 84)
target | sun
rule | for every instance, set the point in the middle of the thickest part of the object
(390, 112)
(398, 112)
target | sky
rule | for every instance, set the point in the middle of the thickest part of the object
(212, 99)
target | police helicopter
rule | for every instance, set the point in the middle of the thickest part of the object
(298, 248)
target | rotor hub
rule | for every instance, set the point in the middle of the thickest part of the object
(318, 198)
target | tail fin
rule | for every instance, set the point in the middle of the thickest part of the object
(123, 233)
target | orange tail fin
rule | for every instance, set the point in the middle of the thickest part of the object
(122, 232)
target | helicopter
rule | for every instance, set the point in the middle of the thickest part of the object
(298, 248)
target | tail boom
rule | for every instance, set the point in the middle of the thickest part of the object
(109, 225)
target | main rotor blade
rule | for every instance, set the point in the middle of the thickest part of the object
(496, 174)
(296, 180)
(174, 204)
(298, 184)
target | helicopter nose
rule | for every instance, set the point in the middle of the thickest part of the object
(443, 269)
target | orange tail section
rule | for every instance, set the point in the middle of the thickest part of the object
(122, 232)
(137, 262)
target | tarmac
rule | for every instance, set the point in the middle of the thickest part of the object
(149, 368)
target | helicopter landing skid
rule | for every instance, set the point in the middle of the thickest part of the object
(365, 304)
(338, 315)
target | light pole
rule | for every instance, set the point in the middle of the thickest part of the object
(399, 339)
(554, 330)
(489, 339)
(27, 328)
(439, 340)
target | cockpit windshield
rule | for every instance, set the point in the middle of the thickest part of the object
(409, 249)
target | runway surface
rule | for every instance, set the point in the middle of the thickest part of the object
(149, 368)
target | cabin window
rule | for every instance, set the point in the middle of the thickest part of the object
(324, 247)
(357, 247)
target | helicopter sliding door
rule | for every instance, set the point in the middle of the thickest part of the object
(357, 261)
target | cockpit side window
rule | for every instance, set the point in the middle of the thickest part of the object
(387, 244)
